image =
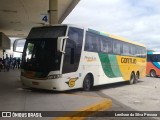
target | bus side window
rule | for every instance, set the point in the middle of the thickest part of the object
(155, 58)
(73, 50)
(149, 58)
(89, 44)
(116, 47)
(143, 52)
(106, 45)
(92, 42)
(140, 52)
(125, 49)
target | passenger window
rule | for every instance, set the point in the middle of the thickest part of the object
(106, 45)
(144, 52)
(116, 47)
(132, 50)
(126, 49)
(138, 51)
(73, 50)
(92, 42)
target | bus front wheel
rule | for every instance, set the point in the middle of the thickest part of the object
(87, 83)
(152, 73)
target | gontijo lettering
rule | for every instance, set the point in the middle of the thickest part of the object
(128, 60)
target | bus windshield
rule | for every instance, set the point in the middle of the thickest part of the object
(41, 55)
(40, 52)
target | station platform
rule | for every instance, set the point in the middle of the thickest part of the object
(58, 105)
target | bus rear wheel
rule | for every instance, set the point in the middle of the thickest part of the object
(87, 83)
(132, 78)
(136, 77)
(153, 73)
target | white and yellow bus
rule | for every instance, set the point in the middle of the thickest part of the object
(64, 57)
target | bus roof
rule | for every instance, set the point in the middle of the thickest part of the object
(67, 25)
(125, 40)
(115, 37)
(98, 32)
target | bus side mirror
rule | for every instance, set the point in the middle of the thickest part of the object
(60, 43)
(18, 45)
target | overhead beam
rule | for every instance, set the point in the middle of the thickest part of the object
(68, 10)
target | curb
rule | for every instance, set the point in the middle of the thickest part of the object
(84, 112)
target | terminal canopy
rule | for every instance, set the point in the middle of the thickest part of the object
(18, 16)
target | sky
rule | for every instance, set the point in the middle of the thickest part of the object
(136, 20)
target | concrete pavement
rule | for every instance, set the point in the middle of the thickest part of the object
(15, 97)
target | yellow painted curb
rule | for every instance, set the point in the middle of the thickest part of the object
(88, 110)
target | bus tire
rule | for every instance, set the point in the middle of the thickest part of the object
(153, 73)
(132, 78)
(136, 77)
(87, 83)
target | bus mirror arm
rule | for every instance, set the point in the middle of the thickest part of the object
(60, 42)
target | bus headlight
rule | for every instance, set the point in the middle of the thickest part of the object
(54, 76)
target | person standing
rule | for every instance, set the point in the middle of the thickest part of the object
(6, 64)
(14, 62)
(1, 64)
(18, 62)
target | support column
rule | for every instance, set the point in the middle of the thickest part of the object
(3, 53)
(53, 11)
